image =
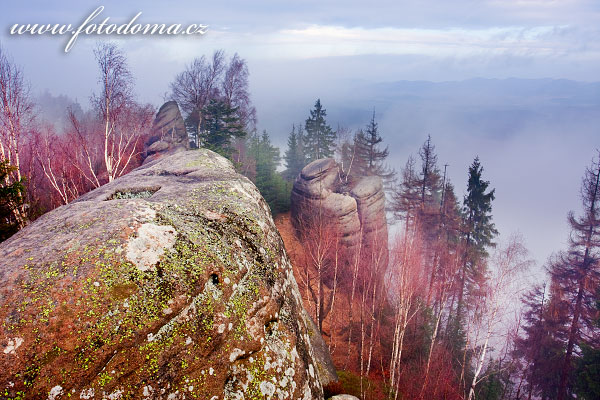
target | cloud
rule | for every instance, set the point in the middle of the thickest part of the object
(546, 42)
(342, 41)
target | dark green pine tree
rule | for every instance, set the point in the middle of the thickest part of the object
(369, 157)
(272, 186)
(319, 139)
(478, 230)
(219, 126)
(11, 198)
(294, 157)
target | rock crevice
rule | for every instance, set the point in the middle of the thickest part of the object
(355, 209)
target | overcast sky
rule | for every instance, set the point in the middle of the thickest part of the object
(339, 50)
(421, 39)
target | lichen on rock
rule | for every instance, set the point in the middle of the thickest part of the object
(150, 296)
(146, 250)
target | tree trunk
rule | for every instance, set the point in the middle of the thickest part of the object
(562, 388)
(566, 367)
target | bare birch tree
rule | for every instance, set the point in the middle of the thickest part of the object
(116, 86)
(496, 292)
(15, 117)
(406, 280)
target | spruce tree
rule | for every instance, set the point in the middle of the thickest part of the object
(219, 126)
(294, 156)
(369, 157)
(274, 189)
(477, 211)
(319, 139)
(478, 230)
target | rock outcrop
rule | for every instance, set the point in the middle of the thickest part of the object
(168, 133)
(170, 282)
(352, 208)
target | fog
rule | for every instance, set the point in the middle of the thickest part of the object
(534, 139)
(425, 67)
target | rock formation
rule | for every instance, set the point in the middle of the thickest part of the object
(352, 208)
(168, 133)
(170, 282)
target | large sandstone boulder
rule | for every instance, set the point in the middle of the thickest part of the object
(168, 133)
(355, 208)
(168, 283)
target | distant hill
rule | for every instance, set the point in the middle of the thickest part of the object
(482, 106)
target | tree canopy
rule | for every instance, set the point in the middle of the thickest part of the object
(320, 138)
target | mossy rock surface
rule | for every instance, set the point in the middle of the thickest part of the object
(168, 283)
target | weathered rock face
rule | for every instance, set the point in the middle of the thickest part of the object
(323, 363)
(353, 207)
(171, 282)
(168, 134)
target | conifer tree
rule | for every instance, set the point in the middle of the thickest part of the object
(219, 126)
(477, 211)
(450, 214)
(540, 346)
(419, 195)
(587, 383)
(405, 196)
(429, 183)
(430, 192)
(319, 139)
(577, 272)
(369, 157)
(294, 156)
(274, 189)
(478, 230)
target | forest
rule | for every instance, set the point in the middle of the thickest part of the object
(441, 313)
